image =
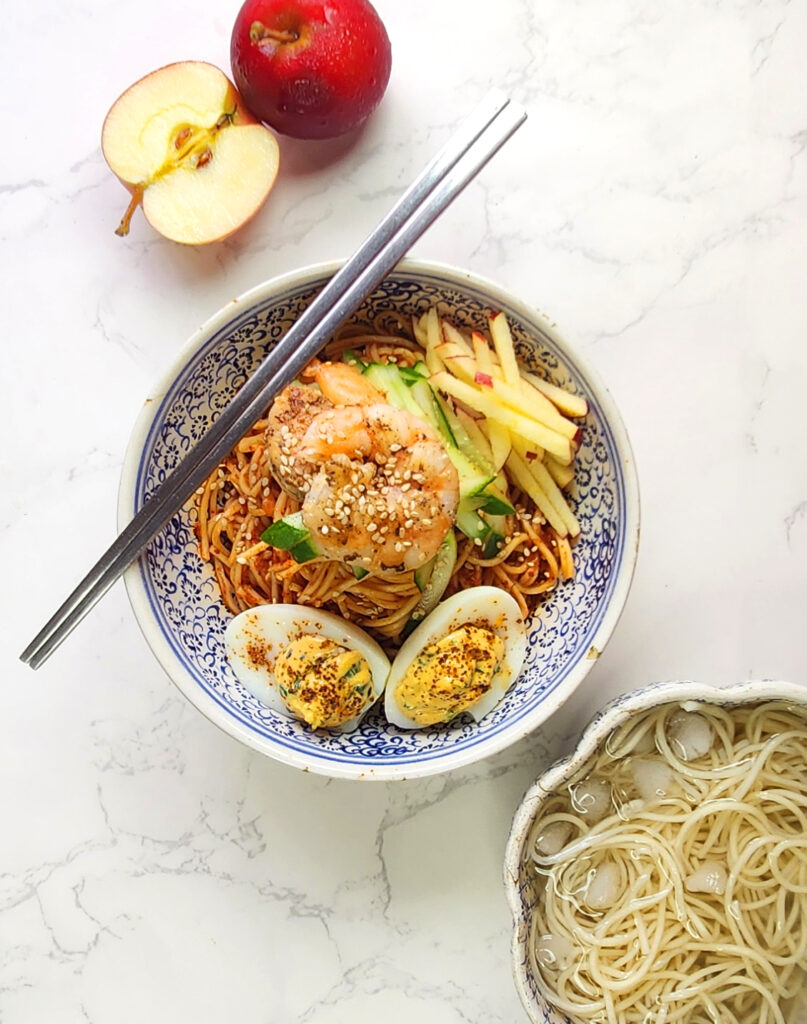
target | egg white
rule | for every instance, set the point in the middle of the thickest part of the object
(270, 628)
(485, 606)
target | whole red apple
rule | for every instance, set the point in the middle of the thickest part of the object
(310, 68)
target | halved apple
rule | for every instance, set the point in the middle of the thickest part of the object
(187, 149)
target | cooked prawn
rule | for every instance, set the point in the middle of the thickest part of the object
(377, 486)
(342, 384)
(291, 414)
(386, 493)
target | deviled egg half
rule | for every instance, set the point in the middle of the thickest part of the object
(307, 664)
(462, 658)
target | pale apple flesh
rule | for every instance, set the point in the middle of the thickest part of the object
(185, 147)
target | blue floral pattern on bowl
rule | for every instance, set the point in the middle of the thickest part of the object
(175, 594)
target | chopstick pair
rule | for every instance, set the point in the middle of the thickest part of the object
(477, 139)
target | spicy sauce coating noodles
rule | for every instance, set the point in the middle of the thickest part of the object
(241, 498)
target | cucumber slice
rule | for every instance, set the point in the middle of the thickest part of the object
(464, 442)
(387, 379)
(470, 521)
(473, 479)
(286, 532)
(438, 571)
(495, 502)
(304, 550)
(432, 410)
(494, 540)
(289, 534)
(350, 357)
(411, 374)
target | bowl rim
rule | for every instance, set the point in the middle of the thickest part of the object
(173, 666)
(609, 717)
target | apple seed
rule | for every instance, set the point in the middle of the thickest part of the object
(182, 138)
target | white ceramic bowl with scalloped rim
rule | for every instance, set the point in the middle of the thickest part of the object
(519, 877)
(175, 597)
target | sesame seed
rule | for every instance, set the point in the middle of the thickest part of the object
(371, 527)
(323, 529)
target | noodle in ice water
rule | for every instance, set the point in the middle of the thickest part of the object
(672, 873)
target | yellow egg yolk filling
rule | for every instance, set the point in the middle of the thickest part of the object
(323, 683)
(450, 675)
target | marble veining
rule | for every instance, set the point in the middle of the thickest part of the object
(655, 207)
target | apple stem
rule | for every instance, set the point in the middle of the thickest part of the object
(137, 198)
(259, 33)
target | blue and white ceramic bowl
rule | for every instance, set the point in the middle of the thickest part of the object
(175, 597)
(520, 879)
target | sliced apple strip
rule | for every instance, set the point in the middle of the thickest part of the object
(520, 472)
(562, 475)
(484, 401)
(572, 405)
(434, 337)
(184, 145)
(499, 437)
(503, 343)
(454, 337)
(548, 488)
(483, 355)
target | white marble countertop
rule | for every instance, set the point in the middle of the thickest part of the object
(655, 204)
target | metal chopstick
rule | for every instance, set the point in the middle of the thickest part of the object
(478, 138)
